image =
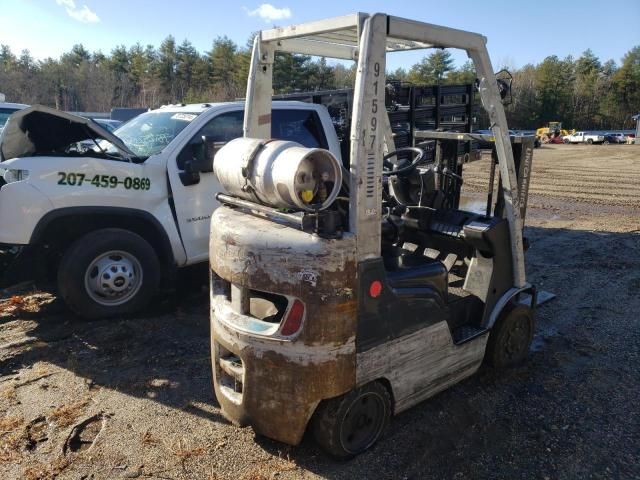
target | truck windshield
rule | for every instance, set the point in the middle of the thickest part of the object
(148, 133)
(4, 116)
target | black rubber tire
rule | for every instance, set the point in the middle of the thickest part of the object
(510, 337)
(590, 141)
(565, 141)
(82, 252)
(333, 416)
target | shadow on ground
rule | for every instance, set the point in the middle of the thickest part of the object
(162, 355)
(569, 412)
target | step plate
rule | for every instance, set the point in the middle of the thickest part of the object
(465, 333)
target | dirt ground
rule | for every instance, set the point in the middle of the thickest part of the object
(132, 398)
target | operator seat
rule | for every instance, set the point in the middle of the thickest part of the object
(406, 269)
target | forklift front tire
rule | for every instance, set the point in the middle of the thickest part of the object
(510, 337)
(350, 424)
(108, 272)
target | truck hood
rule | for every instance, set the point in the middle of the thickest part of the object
(41, 130)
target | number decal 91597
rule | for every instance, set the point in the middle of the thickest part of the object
(72, 179)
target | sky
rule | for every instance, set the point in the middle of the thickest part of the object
(518, 32)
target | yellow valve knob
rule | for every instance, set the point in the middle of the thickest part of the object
(306, 195)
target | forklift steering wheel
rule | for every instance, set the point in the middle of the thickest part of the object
(389, 168)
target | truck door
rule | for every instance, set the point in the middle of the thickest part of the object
(194, 204)
(194, 201)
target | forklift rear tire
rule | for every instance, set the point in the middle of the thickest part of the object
(108, 272)
(510, 337)
(348, 425)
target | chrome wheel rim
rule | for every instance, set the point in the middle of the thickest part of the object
(113, 278)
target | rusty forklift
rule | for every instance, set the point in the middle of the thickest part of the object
(342, 294)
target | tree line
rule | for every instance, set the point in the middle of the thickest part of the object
(583, 93)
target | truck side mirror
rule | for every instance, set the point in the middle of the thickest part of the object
(209, 149)
(197, 158)
(201, 154)
(189, 176)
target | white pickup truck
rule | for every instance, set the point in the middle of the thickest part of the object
(108, 225)
(583, 137)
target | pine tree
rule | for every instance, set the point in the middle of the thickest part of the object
(222, 58)
(166, 69)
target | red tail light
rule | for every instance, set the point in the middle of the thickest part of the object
(375, 289)
(293, 322)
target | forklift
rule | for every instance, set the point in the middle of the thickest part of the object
(344, 295)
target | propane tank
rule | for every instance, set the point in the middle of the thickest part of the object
(279, 173)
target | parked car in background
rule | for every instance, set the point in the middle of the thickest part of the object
(615, 138)
(583, 137)
(109, 124)
(7, 109)
(488, 144)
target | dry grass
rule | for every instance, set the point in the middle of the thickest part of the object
(9, 393)
(270, 469)
(11, 438)
(13, 305)
(284, 465)
(39, 370)
(254, 476)
(183, 451)
(8, 424)
(65, 415)
(46, 472)
(25, 304)
(148, 439)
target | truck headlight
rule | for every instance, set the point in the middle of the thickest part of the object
(11, 175)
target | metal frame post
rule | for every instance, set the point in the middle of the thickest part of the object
(257, 118)
(490, 97)
(367, 139)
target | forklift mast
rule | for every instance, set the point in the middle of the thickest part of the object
(367, 39)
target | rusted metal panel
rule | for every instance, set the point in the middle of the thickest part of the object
(283, 379)
(421, 364)
(281, 386)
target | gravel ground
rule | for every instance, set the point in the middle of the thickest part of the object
(132, 398)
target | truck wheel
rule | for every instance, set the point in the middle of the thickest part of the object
(108, 272)
(565, 141)
(348, 425)
(510, 337)
(589, 141)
